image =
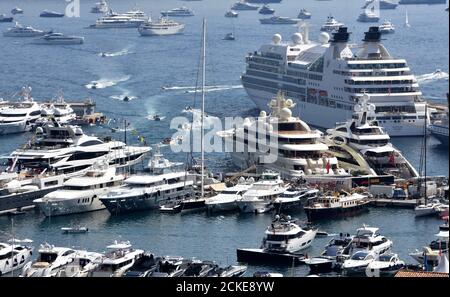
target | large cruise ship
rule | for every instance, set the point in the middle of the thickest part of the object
(328, 77)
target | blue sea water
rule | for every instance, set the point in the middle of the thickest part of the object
(140, 66)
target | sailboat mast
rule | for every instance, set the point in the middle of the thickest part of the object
(203, 106)
(425, 150)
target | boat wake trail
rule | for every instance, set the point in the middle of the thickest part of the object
(125, 96)
(105, 83)
(429, 77)
(198, 89)
(123, 52)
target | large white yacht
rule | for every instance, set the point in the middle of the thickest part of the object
(178, 12)
(81, 194)
(83, 264)
(368, 16)
(144, 192)
(59, 38)
(260, 196)
(327, 78)
(366, 239)
(360, 144)
(284, 235)
(130, 19)
(226, 200)
(244, 5)
(294, 144)
(100, 7)
(51, 260)
(20, 31)
(117, 261)
(13, 257)
(19, 117)
(331, 25)
(163, 26)
(386, 27)
(278, 20)
(60, 110)
(66, 149)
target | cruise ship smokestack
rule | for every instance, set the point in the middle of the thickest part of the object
(373, 35)
(341, 35)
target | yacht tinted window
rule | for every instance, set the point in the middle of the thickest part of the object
(47, 257)
(91, 142)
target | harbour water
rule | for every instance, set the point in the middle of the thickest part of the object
(139, 67)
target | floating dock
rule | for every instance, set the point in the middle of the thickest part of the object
(265, 257)
(399, 203)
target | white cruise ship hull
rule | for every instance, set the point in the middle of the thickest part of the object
(161, 31)
(326, 117)
(15, 127)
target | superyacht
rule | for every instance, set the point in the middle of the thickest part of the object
(331, 25)
(178, 12)
(329, 77)
(163, 26)
(59, 38)
(277, 20)
(117, 21)
(19, 31)
(243, 5)
(19, 117)
(81, 194)
(296, 146)
(67, 150)
(360, 144)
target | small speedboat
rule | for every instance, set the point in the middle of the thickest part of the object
(17, 10)
(74, 230)
(171, 207)
(229, 36)
(231, 14)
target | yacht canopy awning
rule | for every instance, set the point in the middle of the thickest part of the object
(305, 147)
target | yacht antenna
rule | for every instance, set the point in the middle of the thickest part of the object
(202, 140)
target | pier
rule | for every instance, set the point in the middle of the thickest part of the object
(398, 203)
